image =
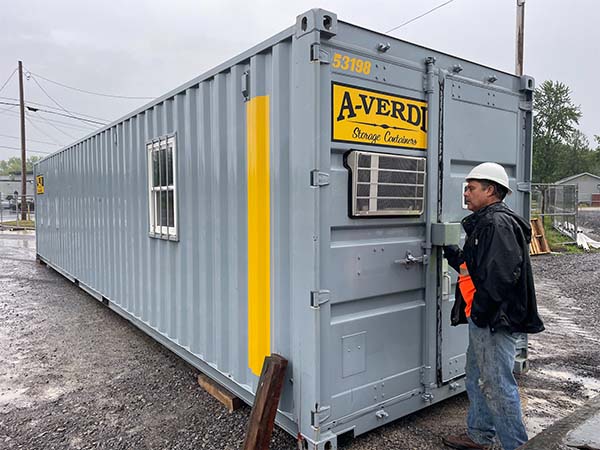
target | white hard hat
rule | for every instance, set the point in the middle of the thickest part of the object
(492, 172)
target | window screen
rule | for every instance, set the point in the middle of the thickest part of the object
(162, 198)
(386, 185)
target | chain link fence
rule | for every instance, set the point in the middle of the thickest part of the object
(556, 205)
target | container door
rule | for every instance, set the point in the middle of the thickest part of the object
(373, 228)
(480, 123)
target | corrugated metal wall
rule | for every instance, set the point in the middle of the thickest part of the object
(94, 220)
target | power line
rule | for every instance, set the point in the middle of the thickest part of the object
(42, 131)
(64, 124)
(418, 17)
(11, 104)
(70, 116)
(40, 117)
(31, 151)
(90, 92)
(6, 109)
(56, 128)
(30, 140)
(51, 98)
(9, 78)
(34, 109)
(54, 107)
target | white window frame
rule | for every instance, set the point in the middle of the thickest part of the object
(156, 230)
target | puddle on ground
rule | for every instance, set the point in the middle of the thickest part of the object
(558, 389)
(586, 435)
(539, 413)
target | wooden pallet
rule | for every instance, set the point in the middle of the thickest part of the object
(539, 244)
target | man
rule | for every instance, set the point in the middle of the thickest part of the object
(495, 295)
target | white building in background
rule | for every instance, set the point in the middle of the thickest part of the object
(587, 184)
(11, 183)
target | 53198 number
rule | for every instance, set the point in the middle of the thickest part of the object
(357, 65)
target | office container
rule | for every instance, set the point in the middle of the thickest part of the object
(294, 200)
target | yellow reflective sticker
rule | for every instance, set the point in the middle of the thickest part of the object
(259, 232)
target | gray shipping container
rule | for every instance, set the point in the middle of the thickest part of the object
(294, 200)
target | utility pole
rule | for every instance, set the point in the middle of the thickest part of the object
(23, 153)
(520, 36)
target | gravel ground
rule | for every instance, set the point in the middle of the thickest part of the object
(75, 375)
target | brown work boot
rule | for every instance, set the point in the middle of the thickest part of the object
(463, 442)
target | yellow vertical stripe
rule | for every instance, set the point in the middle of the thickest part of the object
(259, 233)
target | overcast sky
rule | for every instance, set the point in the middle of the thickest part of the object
(146, 47)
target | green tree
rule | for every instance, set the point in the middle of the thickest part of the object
(13, 165)
(595, 158)
(554, 125)
(576, 156)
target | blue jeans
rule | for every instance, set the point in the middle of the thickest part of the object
(495, 408)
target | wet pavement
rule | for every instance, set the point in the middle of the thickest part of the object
(75, 375)
(579, 430)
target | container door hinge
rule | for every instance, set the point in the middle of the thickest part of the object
(318, 54)
(317, 298)
(428, 383)
(426, 378)
(320, 415)
(318, 179)
(524, 186)
(429, 77)
(246, 86)
(526, 105)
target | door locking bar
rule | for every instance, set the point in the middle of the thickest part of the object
(411, 259)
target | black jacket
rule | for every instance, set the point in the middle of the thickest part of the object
(496, 251)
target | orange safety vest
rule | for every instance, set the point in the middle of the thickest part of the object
(467, 288)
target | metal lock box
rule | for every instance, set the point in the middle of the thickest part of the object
(445, 233)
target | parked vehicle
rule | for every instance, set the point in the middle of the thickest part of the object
(16, 206)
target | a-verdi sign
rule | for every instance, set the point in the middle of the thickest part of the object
(371, 117)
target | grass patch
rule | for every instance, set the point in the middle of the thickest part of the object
(21, 223)
(557, 241)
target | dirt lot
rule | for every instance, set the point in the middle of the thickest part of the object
(74, 375)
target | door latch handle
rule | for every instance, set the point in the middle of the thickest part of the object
(446, 286)
(411, 259)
